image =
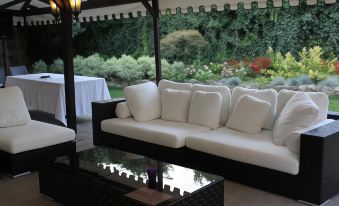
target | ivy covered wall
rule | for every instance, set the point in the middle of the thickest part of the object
(232, 34)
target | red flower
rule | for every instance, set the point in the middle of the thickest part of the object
(336, 65)
(261, 63)
(234, 63)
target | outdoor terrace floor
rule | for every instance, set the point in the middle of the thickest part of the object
(24, 191)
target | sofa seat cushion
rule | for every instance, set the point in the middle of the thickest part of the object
(33, 135)
(161, 132)
(256, 149)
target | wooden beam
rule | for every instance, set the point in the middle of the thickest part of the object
(66, 18)
(9, 4)
(26, 5)
(91, 4)
(44, 1)
(5, 55)
(148, 7)
(156, 30)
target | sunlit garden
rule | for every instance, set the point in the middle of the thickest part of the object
(294, 48)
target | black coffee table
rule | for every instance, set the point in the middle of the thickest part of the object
(105, 176)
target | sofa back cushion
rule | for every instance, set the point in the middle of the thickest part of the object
(249, 115)
(319, 98)
(144, 101)
(268, 95)
(205, 109)
(175, 105)
(225, 93)
(122, 111)
(13, 109)
(299, 112)
(167, 84)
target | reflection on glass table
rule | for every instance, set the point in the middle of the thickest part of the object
(131, 170)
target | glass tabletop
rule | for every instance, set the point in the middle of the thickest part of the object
(131, 170)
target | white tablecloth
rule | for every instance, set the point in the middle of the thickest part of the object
(49, 94)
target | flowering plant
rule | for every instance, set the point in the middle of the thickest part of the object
(336, 65)
(260, 64)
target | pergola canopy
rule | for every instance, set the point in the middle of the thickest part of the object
(37, 12)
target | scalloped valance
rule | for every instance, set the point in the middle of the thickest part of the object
(137, 9)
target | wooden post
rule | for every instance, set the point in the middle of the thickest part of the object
(66, 17)
(156, 29)
(5, 56)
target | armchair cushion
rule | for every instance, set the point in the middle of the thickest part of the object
(175, 105)
(144, 101)
(299, 112)
(249, 114)
(13, 110)
(33, 135)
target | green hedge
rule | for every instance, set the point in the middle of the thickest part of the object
(231, 34)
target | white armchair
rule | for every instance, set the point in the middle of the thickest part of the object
(26, 143)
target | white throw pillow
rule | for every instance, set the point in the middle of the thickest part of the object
(122, 111)
(249, 115)
(293, 138)
(319, 98)
(13, 109)
(144, 101)
(225, 95)
(166, 84)
(269, 95)
(299, 112)
(175, 105)
(205, 109)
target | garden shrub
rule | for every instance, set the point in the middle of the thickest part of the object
(111, 68)
(184, 45)
(146, 64)
(165, 66)
(332, 82)
(233, 81)
(293, 82)
(304, 79)
(176, 72)
(310, 63)
(128, 70)
(40, 67)
(277, 82)
(93, 66)
(78, 64)
(57, 66)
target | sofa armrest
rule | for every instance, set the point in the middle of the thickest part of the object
(319, 163)
(100, 111)
(333, 115)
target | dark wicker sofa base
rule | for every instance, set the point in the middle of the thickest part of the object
(316, 182)
(16, 164)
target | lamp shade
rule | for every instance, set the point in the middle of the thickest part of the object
(75, 6)
(54, 8)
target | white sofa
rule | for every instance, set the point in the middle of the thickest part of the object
(25, 143)
(256, 153)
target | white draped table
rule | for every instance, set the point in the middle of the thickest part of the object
(48, 94)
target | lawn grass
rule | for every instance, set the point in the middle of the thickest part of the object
(334, 103)
(116, 92)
